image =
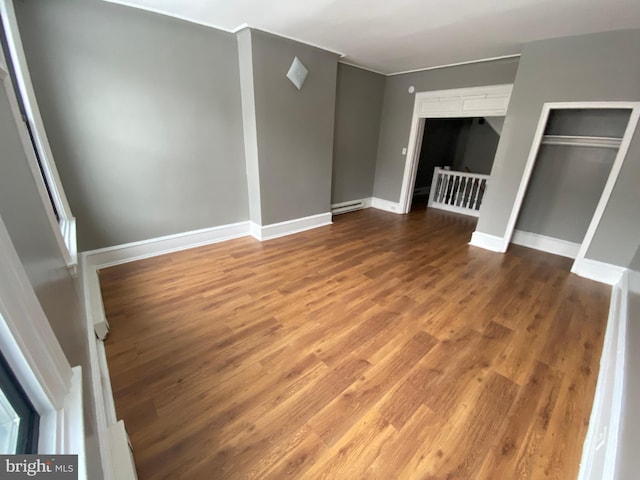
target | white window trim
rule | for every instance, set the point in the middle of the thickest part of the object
(65, 228)
(37, 360)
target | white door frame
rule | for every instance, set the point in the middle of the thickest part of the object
(611, 180)
(487, 101)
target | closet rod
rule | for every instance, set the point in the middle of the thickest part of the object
(581, 141)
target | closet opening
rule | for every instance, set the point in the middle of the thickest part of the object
(574, 162)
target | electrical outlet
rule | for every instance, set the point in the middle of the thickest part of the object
(404, 151)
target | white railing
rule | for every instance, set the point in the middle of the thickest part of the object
(458, 192)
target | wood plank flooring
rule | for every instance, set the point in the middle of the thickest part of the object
(380, 347)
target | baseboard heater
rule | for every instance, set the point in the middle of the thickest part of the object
(348, 207)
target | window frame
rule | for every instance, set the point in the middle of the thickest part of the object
(44, 171)
(27, 441)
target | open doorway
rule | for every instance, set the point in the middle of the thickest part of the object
(475, 102)
(466, 145)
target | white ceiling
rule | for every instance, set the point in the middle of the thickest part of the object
(391, 36)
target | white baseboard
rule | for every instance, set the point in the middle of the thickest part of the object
(601, 443)
(124, 465)
(487, 241)
(97, 393)
(350, 206)
(385, 205)
(289, 227)
(552, 245)
(598, 271)
(129, 252)
(92, 296)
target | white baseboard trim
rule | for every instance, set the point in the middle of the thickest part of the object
(601, 443)
(96, 383)
(386, 205)
(129, 252)
(289, 227)
(350, 206)
(598, 271)
(124, 465)
(552, 245)
(487, 241)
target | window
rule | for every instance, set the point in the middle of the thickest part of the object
(34, 137)
(19, 421)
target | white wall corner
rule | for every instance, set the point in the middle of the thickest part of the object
(255, 231)
(600, 447)
(598, 271)
(634, 281)
(289, 227)
(386, 205)
(487, 241)
(350, 206)
(543, 243)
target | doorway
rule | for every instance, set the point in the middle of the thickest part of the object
(458, 144)
(486, 101)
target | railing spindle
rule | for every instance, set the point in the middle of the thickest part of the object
(462, 201)
(443, 195)
(453, 186)
(472, 194)
(454, 189)
(475, 205)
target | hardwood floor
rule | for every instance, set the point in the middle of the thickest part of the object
(382, 346)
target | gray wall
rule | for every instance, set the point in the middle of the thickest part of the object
(143, 115)
(294, 128)
(397, 111)
(24, 215)
(597, 67)
(565, 187)
(359, 97)
(479, 148)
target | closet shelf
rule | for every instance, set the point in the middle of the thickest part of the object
(581, 141)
